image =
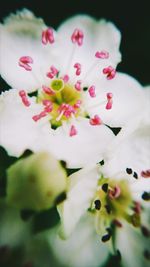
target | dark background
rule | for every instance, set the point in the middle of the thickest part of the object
(131, 17)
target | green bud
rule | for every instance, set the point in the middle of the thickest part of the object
(36, 182)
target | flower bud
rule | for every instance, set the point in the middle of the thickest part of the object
(36, 182)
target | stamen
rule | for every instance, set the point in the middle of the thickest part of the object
(97, 204)
(73, 131)
(135, 175)
(95, 121)
(25, 61)
(48, 36)
(129, 170)
(107, 236)
(137, 207)
(110, 72)
(109, 101)
(39, 116)
(145, 231)
(145, 174)
(53, 72)
(77, 66)
(117, 223)
(24, 98)
(77, 104)
(78, 86)
(91, 91)
(115, 193)
(65, 78)
(47, 90)
(105, 187)
(108, 209)
(77, 37)
(146, 196)
(102, 54)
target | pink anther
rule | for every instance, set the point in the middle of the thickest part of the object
(39, 116)
(47, 90)
(48, 36)
(77, 66)
(73, 131)
(110, 72)
(24, 98)
(53, 72)
(102, 54)
(115, 193)
(65, 78)
(25, 61)
(77, 104)
(145, 174)
(77, 37)
(95, 121)
(137, 207)
(78, 86)
(46, 102)
(117, 223)
(109, 101)
(91, 91)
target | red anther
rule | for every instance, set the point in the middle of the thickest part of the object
(115, 193)
(46, 102)
(91, 91)
(48, 108)
(117, 223)
(24, 98)
(77, 66)
(39, 116)
(65, 78)
(77, 104)
(102, 54)
(47, 90)
(77, 37)
(137, 207)
(109, 101)
(25, 61)
(48, 36)
(95, 121)
(73, 131)
(78, 86)
(145, 174)
(53, 72)
(110, 72)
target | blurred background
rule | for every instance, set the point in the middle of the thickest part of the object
(131, 17)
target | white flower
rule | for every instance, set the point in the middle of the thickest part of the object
(112, 201)
(79, 91)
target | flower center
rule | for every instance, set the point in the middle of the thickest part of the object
(113, 203)
(64, 100)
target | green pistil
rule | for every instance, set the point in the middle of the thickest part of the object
(57, 85)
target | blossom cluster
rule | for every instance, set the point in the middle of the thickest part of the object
(69, 106)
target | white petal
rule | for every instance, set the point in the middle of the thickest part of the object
(132, 244)
(82, 186)
(21, 36)
(83, 248)
(128, 101)
(133, 152)
(87, 147)
(98, 35)
(18, 131)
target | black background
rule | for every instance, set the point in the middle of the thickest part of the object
(131, 17)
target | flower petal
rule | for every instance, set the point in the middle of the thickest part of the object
(87, 147)
(132, 152)
(132, 245)
(128, 101)
(82, 186)
(99, 35)
(18, 131)
(82, 249)
(21, 36)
